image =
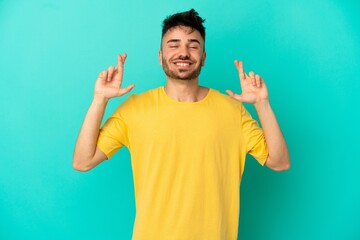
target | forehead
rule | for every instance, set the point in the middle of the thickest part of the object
(182, 33)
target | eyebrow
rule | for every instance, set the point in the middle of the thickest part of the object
(194, 40)
(178, 40)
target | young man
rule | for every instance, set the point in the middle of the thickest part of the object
(187, 142)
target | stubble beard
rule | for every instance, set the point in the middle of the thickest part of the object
(174, 75)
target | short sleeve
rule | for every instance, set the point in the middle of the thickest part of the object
(253, 137)
(113, 134)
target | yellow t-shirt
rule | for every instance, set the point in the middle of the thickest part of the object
(187, 161)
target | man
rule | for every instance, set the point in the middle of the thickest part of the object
(187, 142)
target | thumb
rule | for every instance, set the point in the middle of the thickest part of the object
(124, 91)
(238, 97)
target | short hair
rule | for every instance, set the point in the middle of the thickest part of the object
(188, 19)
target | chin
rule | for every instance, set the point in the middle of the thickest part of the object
(182, 74)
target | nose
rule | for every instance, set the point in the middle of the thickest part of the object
(184, 52)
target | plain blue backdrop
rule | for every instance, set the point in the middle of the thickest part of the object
(51, 52)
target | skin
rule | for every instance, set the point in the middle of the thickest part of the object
(254, 91)
(108, 85)
(182, 55)
(180, 46)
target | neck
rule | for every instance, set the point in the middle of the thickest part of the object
(185, 90)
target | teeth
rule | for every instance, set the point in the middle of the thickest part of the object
(182, 64)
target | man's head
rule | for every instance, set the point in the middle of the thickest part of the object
(182, 52)
(188, 19)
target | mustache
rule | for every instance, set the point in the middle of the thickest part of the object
(183, 58)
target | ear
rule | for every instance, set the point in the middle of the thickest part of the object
(160, 57)
(203, 59)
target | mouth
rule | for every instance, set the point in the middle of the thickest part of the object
(182, 63)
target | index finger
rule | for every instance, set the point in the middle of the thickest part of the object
(121, 61)
(240, 68)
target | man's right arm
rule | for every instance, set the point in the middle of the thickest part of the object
(87, 155)
(108, 85)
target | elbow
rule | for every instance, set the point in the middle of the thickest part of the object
(80, 168)
(282, 167)
(279, 166)
(79, 165)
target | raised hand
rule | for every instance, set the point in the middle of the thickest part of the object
(108, 83)
(253, 86)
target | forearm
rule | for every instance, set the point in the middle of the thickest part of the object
(278, 151)
(87, 140)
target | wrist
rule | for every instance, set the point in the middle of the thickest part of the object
(262, 104)
(100, 99)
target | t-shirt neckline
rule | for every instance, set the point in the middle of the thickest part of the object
(162, 89)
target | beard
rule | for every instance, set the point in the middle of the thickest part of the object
(174, 74)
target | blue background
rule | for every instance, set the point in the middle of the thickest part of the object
(51, 52)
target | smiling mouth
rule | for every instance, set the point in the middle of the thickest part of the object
(182, 64)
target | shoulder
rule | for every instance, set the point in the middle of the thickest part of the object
(147, 95)
(225, 100)
(137, 101)
(136, 98)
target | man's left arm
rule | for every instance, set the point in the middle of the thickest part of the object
(254, 91)
(278, 159)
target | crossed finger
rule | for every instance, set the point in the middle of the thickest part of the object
(112, 71)
(240, 68)
(121, 61)
(254, 79)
